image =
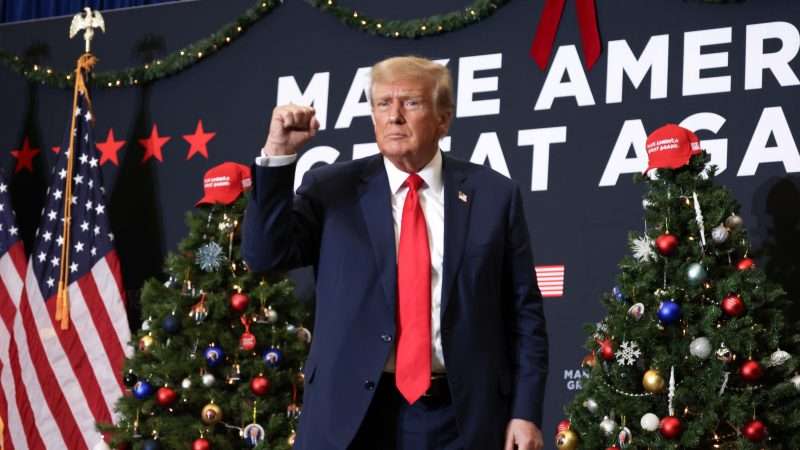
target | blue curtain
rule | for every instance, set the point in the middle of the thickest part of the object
(14, 10)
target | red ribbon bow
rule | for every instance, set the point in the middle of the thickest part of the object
(542, 45)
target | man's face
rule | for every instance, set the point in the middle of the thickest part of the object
(407, 125)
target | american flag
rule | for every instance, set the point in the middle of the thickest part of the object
(66, 375)
(14, 403)
(551, 280)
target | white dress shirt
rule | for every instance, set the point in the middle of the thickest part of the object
(431, 197)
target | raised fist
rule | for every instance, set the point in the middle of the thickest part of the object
(290, 128)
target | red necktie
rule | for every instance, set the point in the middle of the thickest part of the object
(413, 360)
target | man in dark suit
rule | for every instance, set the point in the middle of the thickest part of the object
(429, 329)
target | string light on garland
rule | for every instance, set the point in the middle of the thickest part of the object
(413, 28)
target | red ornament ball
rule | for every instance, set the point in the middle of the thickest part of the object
(666, 244)
(751, 371)
(613, 447)
(259, 385)
(247, 341)
(563, 425)
(606, 349)
(239, 301)
(670, 427)
(754, 431)
(165, 396)
(746, 264)
(201, 444)
(732, 305)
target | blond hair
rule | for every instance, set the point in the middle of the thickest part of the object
(414, 67)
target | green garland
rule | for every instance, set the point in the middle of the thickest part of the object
(154, 70)
(413, 28)
(190, 55)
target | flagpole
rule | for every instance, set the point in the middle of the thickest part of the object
(85, 63)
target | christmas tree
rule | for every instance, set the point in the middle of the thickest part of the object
(218, 360)
(694, 352)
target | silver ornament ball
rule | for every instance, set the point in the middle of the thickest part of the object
(700, 347)
(271, 315)
(649, 422)
(608, 426)
(208, 380)
(778, 358)
(719, 234)
(696, 274)
(186, 383)
(591, 405)
(733, 222)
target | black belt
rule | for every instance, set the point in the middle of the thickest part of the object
(438, 392)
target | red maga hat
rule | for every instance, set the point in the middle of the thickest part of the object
(224, 183)
(671, 147)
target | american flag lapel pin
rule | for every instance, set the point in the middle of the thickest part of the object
(462, 196)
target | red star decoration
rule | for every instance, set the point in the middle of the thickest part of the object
(109, 148)
(198, 141)
(25, 156)
(152, 145)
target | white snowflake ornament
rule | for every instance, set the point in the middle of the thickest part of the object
(643, 249)
(628, 353)
(209, 257)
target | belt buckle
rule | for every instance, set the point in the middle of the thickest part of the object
(434, 377)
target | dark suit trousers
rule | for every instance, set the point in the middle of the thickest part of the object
(392, 424)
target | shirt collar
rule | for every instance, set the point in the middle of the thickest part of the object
(431, 174)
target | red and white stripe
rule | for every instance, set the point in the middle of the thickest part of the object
(20, 428)
(551, 280)
(69, 379)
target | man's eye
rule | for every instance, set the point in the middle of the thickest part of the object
(412, 103)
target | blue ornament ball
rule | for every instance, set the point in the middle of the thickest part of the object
(214, 355)
(669, 312)
(142, 389)
(272, 357)
(617, 292)
(150, 444)
(171, 323)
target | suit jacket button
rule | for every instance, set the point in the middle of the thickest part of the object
(369, 385)
(386, 338)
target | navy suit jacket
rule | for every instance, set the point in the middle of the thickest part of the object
(493, 329)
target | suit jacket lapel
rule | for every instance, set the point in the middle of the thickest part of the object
(457, 202)
(376, 206)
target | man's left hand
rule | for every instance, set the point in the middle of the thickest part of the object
(523, 435)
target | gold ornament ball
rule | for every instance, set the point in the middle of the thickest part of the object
(211, 414)
(653, 381)
(146, 343)
(566, 440)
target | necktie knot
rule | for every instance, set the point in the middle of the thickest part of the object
(414, 182)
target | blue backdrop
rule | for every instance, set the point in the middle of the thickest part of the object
(16, 10)
(570, 137)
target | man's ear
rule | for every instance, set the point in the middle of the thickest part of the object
(444, 122)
